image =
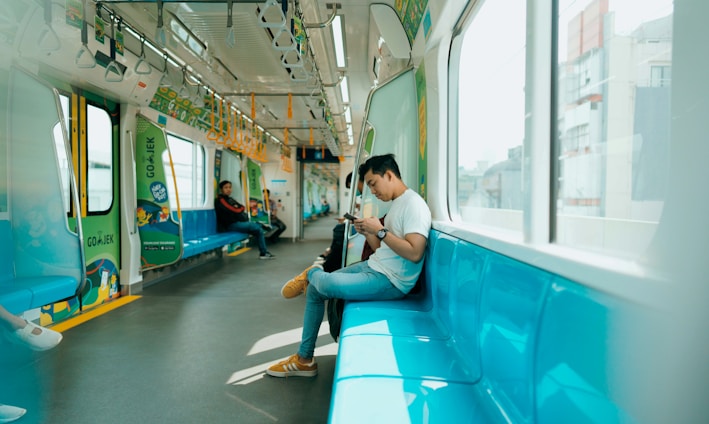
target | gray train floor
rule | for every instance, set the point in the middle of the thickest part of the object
(192, 349)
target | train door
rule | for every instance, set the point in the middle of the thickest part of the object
(92, 125)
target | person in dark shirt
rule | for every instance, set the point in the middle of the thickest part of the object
(232, 216)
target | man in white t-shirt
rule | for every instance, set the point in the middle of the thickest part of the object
(390, 273)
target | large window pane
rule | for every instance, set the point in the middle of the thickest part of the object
(188, 162)
(99, 178)
(491, 116)
(613, 122)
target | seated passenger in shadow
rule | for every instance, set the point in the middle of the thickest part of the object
(232, 216)
(30, 335)
(278, 226)
(390, 272)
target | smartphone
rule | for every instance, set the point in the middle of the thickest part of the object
(350, 216)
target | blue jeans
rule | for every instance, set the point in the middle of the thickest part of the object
(355, 282)
(252, 228)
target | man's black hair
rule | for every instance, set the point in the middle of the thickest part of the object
(223, 183)
(348, 180)
(379, 165)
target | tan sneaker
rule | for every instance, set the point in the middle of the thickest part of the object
(296, 286)
(293, 367)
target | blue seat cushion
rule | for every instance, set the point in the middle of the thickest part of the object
(15, 300)
(400, 400)
(199, 233)
(46, 290)
(408, 357)
(384, 321)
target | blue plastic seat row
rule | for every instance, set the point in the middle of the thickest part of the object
(489, 339)
(199, 233)
(20, 293)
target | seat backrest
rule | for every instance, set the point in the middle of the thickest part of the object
(464, 311)
(7, 253)
(511, 304)
(588, 350)
(209, 221)
(439, 268)
(198, 223)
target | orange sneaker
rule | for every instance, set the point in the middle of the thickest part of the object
(293, 367)
(296, 286)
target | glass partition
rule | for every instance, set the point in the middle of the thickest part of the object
(44, 244)
(391, 127)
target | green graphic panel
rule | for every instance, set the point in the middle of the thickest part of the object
(411, 13)
(257, 209)
(160, 236)
(168, 102)
(423, 145)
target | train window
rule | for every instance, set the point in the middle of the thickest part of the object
(231, 171)
(62, 158)
(99, 178)
(188, 163)
(613, 122)
(491, 117)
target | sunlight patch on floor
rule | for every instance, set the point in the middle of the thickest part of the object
(256, 373)
(284, 338)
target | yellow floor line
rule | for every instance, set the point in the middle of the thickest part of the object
(93, 313)
(239, 252)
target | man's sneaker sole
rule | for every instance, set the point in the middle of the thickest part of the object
(283, 374)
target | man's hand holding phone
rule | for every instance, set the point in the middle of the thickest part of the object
(350, 216)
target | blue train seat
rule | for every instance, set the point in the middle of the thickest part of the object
(494, 342)
(199, 233)
(19, 293)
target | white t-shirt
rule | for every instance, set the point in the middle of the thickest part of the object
(408, 214)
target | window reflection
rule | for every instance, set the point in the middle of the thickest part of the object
(613, 123)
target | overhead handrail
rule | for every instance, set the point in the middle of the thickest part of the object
(326, 23)
(84, 57)
(113, 66)
(234, 133)
(48, 40)
(263, 23)
(227, 139)
(220, 138)
(340, 77)
(212, 133)
(299, 75)
(165, 79)
(293, 45)
(288, 55)
(240, 141)
(142, 67)
(234, 126)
